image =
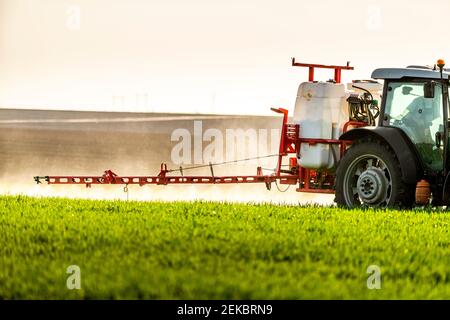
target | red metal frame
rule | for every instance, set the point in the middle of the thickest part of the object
(312, 66)
(290, 144)
(308, 180)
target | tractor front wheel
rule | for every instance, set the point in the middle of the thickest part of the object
(369, 175)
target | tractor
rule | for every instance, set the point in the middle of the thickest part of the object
(404, 158)
(393, 153)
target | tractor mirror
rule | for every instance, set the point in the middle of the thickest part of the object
(407, 90)
(428, 89)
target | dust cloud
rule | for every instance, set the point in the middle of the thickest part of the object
(34, 148)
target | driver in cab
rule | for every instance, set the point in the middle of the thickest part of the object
(419, 117)
(420, 114)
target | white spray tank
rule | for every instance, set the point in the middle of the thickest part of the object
(321, 111)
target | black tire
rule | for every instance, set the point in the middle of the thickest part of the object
(369, 175)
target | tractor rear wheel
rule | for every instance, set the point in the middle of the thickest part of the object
(369, 175)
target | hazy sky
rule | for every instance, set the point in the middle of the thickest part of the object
(229, 56)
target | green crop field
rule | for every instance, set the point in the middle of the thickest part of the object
(153, 250)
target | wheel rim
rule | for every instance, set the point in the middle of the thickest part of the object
(368, 182)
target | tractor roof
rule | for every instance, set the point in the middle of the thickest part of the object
(410, 72)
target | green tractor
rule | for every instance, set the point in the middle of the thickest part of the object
(404, 159)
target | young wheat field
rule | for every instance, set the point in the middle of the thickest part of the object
(202, 250)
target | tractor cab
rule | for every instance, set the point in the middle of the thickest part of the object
(409, 143)
(414, 102)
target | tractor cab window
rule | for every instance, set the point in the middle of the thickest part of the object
(419, 117)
